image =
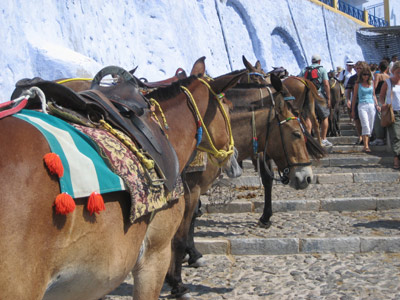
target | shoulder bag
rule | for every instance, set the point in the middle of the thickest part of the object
(387, 115)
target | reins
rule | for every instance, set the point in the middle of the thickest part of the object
(220, 155)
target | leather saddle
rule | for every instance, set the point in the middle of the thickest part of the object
(122, 105)
(179, 74)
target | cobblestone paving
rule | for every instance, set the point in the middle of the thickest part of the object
(301, 224)
(369, 276)
(327, 276)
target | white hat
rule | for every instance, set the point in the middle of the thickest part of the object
(349, 62)
(315, 58)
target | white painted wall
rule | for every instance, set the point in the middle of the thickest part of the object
(76, 38)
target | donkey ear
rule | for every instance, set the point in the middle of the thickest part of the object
(247, 64)
(258, 65)
(199, 67)
(225, 82)
(276, 82)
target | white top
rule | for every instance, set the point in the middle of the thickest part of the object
(346, 75)
(393, 94)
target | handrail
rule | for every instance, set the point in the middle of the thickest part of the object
(356, 13)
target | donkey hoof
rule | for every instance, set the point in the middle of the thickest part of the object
(186, 258)
(186, 296)
(201, 262)
(263, 224)
(181, 292)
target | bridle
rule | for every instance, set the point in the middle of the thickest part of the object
(220, 155)
(284, 178)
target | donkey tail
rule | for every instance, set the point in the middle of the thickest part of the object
(314, 93)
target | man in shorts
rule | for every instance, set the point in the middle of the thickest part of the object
(325, 92)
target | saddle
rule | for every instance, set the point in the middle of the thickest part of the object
(121, 105)
(179, 74)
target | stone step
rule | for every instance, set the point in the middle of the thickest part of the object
(341, 148)
(299, 232)
(346, 126)
(355, 159)
(335, 169)
(348, 132)
(343, 140)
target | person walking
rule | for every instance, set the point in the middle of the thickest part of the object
(319, 76)
(350, 90)
(343, 79)
(364, 94)
(379, 132)
(390, 94)
(346, 74)
(392, 61)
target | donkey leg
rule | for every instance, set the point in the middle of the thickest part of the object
(179, 244)
(195, 257)
(152, 266)
(264, 221)
(315, 125)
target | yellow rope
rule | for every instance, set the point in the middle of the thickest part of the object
(148, 163)
(73, 79)
(156, 104)
(218, 154)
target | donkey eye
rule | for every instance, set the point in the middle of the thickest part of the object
(297, 134)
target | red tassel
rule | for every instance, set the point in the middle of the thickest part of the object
(64, 204)
(95, 203)
(54, 164)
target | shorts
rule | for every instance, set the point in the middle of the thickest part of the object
(321, 111)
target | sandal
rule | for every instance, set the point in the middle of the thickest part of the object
(366, 150)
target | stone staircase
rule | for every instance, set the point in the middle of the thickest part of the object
(351, 206)
(337, 239)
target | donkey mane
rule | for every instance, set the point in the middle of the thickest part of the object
(171, 91)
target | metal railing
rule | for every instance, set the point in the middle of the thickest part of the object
(351, 10)
(327, 2)
(377, 22)
(357, 13)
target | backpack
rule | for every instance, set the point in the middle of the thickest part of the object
(312, 75)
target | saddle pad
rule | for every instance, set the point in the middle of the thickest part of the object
(85, 171)
(199, 163)
(145, 197)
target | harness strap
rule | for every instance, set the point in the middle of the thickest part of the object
(26, 94)
(218, 154)
(254, 129)
(14, 109)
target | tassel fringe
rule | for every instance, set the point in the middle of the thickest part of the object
(54, 164)
(64, 204)
(95, 203)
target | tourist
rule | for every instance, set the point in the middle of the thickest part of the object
(390, 94)
(364, 94)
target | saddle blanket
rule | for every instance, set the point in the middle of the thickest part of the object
(95, 160)
(85, 171)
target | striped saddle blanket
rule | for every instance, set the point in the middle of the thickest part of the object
(96, 161)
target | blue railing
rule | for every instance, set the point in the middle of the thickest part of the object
(351, 10)
(327, 2)
(357, 13)
(377, 22)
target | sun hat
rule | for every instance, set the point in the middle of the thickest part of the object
(315, 58)
(349, 62)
